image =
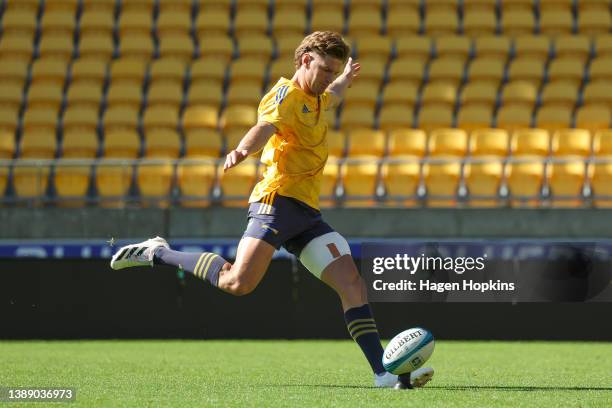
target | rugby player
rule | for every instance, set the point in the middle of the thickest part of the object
(284, 205)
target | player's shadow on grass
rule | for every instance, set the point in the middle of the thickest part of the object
(365, 387)
(513, 388)
(455, 387)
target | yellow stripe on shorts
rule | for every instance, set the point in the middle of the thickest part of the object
(269, 209)
(263, 204)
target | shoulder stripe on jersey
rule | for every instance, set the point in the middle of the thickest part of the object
(281, 93)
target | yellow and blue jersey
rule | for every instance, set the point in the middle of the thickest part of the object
(296, 154)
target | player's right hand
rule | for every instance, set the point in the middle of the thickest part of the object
(233, 158)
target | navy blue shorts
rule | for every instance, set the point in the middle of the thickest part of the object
(285, 221)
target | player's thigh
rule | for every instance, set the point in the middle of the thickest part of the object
(327, 256)
(342, 275)
(252, 260)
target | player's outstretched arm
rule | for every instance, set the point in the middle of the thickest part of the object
(344, 80)
(252, 142)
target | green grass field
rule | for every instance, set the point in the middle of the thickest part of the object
(308, 373)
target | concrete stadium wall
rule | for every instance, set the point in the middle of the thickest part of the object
(49, 223)
(86, 299)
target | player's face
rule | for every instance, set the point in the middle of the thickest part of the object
(321, 72)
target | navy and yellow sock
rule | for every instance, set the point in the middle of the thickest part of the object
(205, 265)
(363, 330)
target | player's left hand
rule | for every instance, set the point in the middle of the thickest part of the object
(234, 158)
(351, 70)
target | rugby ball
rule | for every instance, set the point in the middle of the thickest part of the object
(408, 351)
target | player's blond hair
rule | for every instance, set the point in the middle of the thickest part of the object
(324, 43)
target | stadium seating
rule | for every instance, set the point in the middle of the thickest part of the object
(359, 180)
(212, 21)
(71, 183)
(396, 116)
(120, 118)
(407, 142)
(363, 94)
(593, 118)
(554, 117)
(31, 182)
(4, 177)
(195, 181)
(16, 47)
(493, 47)
(80, 116)
(80, 144)
(486, 71)
(601, 182)
(413, 47)
(113, 181)
(448, 142)
(514, 117)
(49, 70)
(88, 70)
(479, 22)
(329, 182)
(154, 180)
(566, 180)
(356, 117)
(13, 70)
(475, 117)
(476, 80)
(205, 93)
(602, 143)
(366, 142)
(236, 185)
(7, 144)
(525, 179)
(121, 143)
(405, 73)
(164, 94)
(11, 95)
(202, 143)
(38, 144)
(442, 181)
(289, 21)
(401, 180)
(453, 47)
(162, 143)
(336, 143)
(433, 117)
(403, 23)
(446, 70)
(530, 142)
(84, 94)
(489, 142)
(483, 180)
(576, 47)
(571, 142)
(517, 22)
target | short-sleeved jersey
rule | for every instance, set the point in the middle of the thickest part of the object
(296, 154)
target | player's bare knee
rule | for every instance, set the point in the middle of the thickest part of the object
(241, 288)
(238, 282)
(237, 287)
